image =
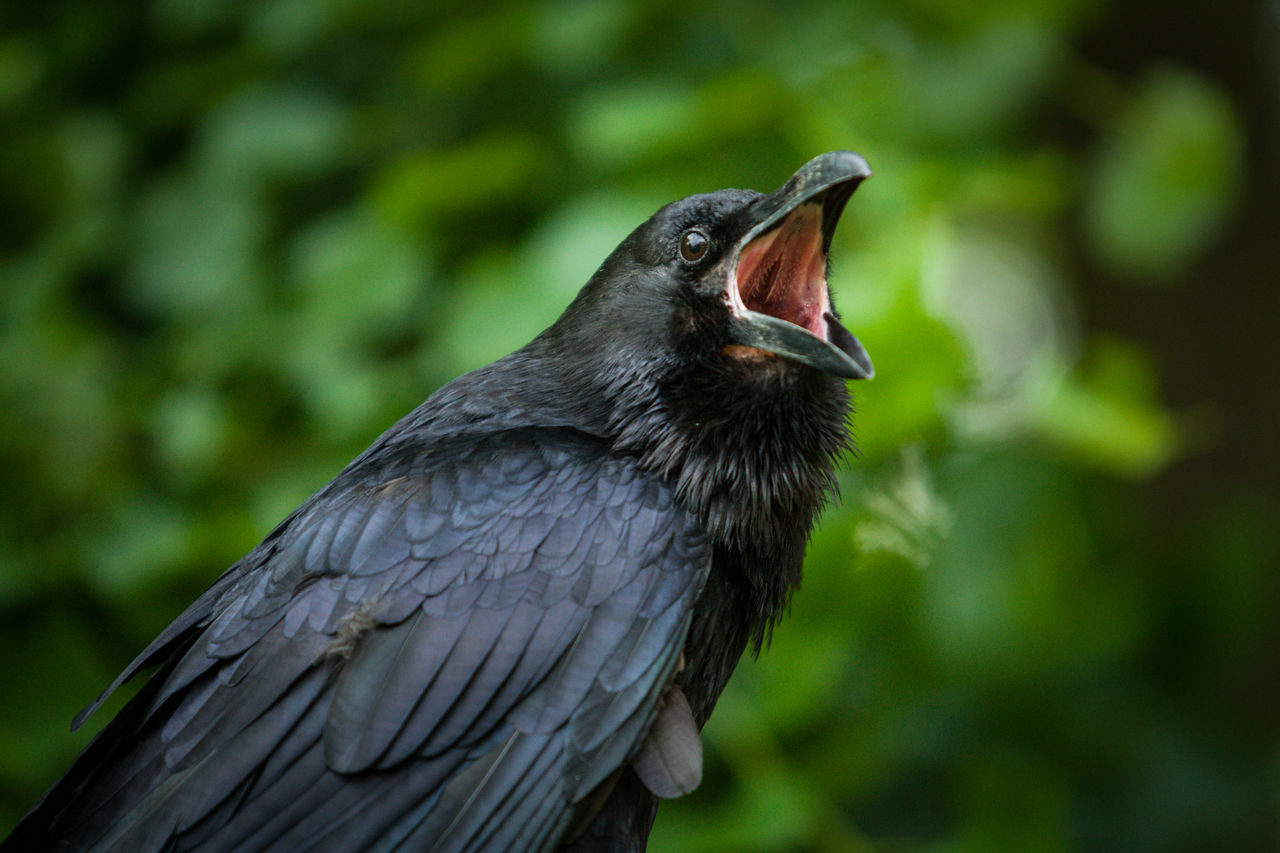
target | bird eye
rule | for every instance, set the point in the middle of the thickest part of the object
(694, 245)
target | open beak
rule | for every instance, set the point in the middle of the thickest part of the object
(777, 292)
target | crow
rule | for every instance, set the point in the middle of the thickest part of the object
(502, 626)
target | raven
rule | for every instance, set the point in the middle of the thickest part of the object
(502, 626)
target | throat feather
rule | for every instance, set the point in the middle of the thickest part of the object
(755, 465)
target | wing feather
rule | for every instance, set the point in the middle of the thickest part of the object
(444, 650)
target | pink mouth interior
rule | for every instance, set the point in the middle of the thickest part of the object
(784, 273)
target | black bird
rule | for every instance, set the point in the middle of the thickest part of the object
(502, 625)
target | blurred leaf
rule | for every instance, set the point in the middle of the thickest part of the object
(975, 89)
(357, 278)
(1001, 292)
(906, 517)
(1165, 180)
(472, 50)
(426, 183)
(144, 541)
(199, 239)
(509, 299)
(1108, 415)
(641, 121)
(1013, 801)
(190, 432)
(288, 27)
(272, 134)
(575, 36)
(903, 404)
(21, 67)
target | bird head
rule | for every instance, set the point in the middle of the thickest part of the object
(735, 279)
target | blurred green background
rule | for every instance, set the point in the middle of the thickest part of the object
(240, 239)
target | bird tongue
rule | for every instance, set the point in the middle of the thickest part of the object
(783, 273)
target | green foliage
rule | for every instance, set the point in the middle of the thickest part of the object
(241, 239)
(1166, 177)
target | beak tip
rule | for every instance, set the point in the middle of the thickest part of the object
(842, 165)
(860, 371)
